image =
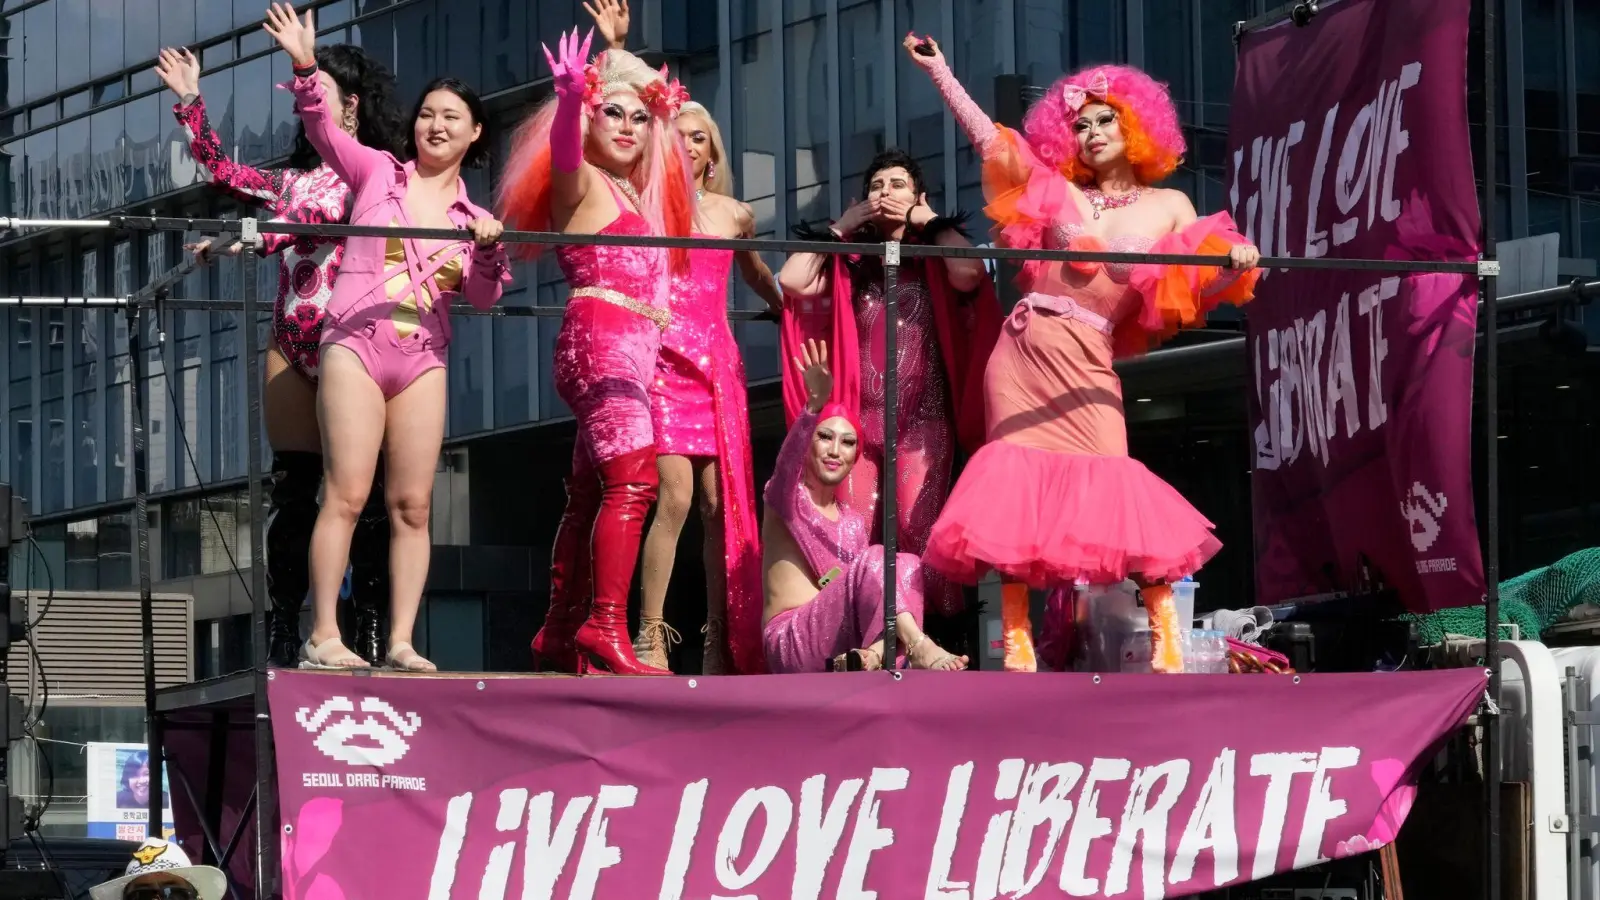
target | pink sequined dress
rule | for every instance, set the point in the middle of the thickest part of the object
(698, 408)
(610, 337)
(848, 612)
(924, 443)
(1053, 496)
(307, 265)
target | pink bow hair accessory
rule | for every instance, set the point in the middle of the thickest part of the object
(1075, 95)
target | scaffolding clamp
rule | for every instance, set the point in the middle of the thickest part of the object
(249, 236)
(1488, 268)
(891, 253)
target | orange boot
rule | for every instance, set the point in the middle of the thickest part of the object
(1166, 632)
(1017, 628)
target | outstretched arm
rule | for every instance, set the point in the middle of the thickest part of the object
(782, 490)
(349, 159)
(569, 177)
(928, 57)
(612, 18)
(180, 71)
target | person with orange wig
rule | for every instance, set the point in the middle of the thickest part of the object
(1053, 498)
(603, 158)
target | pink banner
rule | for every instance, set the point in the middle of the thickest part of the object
(851, 786)
(1349, 139)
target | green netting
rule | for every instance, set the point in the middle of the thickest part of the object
(1533, 600)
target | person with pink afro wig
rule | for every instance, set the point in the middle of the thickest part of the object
(1053, 499)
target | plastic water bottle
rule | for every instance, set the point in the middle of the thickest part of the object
(1208, 653)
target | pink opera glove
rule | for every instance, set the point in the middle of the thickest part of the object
(570, 77)
(978, 126)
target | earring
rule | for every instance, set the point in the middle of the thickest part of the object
(711, 170)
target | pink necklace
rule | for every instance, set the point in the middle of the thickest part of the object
(1102, 201)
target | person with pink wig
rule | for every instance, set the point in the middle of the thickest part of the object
(602, 158)
(824, 583)
(700, 413)
(1053, 497)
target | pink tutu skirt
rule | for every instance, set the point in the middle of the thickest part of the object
(1048, 519)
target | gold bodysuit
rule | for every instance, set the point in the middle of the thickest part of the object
(448, 278)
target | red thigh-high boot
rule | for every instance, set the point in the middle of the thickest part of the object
(627, 488)
(571, 579)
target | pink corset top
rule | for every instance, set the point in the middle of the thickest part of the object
(630, 277)
(1070, 236)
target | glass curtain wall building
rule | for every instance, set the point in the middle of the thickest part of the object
(806, 92)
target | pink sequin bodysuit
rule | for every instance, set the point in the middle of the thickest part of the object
(924, 440)
(306, 265)
(848, 612)
(610, 337)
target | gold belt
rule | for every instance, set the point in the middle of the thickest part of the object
(617, 298)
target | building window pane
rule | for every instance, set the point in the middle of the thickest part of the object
(807, 108)
(83, 555)
(861, 88)
(53, 485)
(467, 373)
(22, 444)
(513, 366)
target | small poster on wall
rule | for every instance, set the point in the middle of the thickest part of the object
(119, 792)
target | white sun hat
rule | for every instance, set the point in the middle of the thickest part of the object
(156, 855)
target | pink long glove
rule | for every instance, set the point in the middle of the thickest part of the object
(568, 75)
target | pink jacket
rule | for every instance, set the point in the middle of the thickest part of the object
(378, 189)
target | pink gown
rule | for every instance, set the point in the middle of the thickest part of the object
(1053, 496)
(848, 612)
(698, 408)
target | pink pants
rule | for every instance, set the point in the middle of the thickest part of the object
(847, 615)
(605, 358)
(392, 362)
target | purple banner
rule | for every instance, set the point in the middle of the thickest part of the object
(1349, 139)
(806, 786)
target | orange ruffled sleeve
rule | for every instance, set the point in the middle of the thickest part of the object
(1025, 197)
(1176, 297)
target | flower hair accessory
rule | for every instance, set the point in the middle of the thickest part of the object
(1075, 95)
(594, 87)
(665, 97)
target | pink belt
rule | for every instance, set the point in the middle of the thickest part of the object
(1065, 307)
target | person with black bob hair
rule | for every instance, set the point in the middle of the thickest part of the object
(361, 95)
(478, 153)
(387, 341)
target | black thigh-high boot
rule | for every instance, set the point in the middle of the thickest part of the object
(292, 514)
(369, 573)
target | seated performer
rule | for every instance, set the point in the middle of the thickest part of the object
(824, 585)
(1053, 496)
(949, 321)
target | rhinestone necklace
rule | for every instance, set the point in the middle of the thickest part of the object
(626, 187)
(1102, 201)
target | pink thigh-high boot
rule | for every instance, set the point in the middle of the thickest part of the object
(847, 615)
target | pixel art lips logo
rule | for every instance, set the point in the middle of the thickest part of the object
(377, 738)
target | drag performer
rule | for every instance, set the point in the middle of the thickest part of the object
(360, 93)
(1053, 496)
(602, 158)
(824, 584)
(384, 348)
(702, 426)
(949, 320)
(698, 411)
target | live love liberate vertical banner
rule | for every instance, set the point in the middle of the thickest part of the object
(1349, 139)
(935, 786)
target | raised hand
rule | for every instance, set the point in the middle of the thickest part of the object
(179, 70)
(612, 18)
(891, 209)
(567, 71)
(298, 38)
(924, 51)
(855, 216)
(813, 365)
